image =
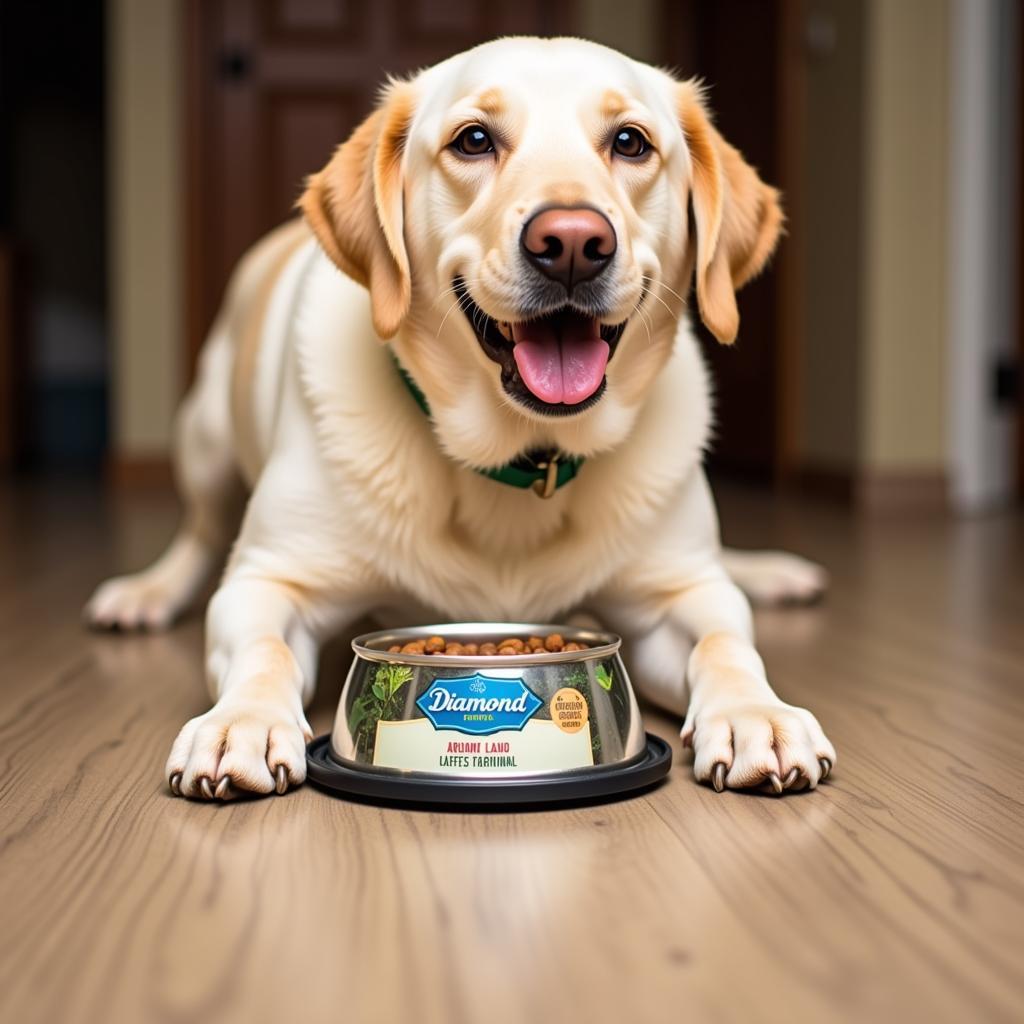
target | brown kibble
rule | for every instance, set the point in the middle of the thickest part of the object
(509, 646)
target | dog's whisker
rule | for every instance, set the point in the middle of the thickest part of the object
(441, 296)
(454, 288)
(658, 298)
(643, 320)
(661, 284)
(462, 302)
(646, 316)
(445, 317)
(444, 295)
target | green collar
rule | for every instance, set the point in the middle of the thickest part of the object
(543, 472)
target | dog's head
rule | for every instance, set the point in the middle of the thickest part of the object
(520, 215)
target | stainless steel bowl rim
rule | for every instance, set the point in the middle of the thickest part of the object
(601, 644)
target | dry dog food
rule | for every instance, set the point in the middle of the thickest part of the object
(508, 646)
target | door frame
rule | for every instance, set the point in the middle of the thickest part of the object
(983, 116)
(197, 147)
(789, 324)
(788, 262)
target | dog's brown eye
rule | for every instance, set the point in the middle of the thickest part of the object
(473, 141)
(630, 143)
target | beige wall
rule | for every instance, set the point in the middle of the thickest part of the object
(875, 258)
(903, 423)
(145, 209)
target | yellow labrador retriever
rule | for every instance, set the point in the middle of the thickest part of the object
(465, 387)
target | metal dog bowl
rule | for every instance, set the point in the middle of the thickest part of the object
(487, 729)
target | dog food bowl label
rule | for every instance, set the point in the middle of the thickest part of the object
(485, 725)
(488, 713)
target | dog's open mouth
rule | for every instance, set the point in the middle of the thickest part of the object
(555, 363)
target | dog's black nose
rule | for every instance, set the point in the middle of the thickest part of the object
(569, 245)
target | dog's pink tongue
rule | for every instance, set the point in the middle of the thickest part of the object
(584, 358)
(566, 370)
(538, 356)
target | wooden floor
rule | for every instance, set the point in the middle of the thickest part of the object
(894, 892)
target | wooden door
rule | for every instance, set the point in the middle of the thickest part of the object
(275, 85)
(735, 46)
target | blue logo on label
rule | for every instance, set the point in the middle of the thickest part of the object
(478, 705)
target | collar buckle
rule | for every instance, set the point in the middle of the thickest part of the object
(547, 486)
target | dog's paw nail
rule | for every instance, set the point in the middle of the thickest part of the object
(175, 783)
(788, 781)
(826, 767)
(718, 777)
(223, 788)
(776, 782)
(206, 788)
(282, 778)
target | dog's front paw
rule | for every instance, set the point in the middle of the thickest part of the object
(239, 747)
(144, 600)
(771, 578)
(765, 745)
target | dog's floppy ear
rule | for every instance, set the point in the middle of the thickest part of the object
(354, 206)
(738, 217)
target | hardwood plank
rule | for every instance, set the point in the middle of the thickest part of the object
(896, 889)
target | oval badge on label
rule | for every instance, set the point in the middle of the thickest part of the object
(569, 709)
(478, 705)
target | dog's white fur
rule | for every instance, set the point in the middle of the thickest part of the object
(361, 504)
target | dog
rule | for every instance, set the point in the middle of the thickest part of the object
(490, 272)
